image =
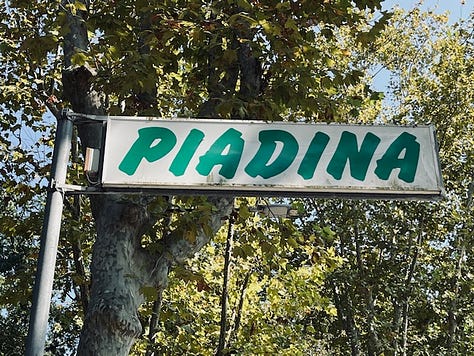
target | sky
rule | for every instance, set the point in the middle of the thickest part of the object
(458, 9)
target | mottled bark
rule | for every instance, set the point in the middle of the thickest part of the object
(120, 266)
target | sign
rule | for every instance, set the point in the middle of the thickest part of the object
(271, 158)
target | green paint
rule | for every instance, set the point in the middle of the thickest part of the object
(186, 152)
(391, 159)
(154, 143)
(214, 156)
(259, 163)
(313, 155)
(144, 147)
(347, 150)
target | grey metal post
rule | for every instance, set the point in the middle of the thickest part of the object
(49, 240)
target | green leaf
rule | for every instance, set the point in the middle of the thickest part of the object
(80, 6)
(150, 293)
(78, 59)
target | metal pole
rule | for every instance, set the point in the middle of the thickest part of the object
(49, 240)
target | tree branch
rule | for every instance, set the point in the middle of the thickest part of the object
(179, 248)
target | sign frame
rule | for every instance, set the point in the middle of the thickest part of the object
(221, 188)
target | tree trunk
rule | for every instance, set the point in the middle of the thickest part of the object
(237, 316)
(120, 266)
(155, 318)
(453, 303)
(351, 328)
(401, 303)
(119, 269)
(405, 317)
(396, 324)
(373, 346)
(225, 287)
(346, 318)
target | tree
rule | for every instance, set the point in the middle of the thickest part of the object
(236, 59)
(433, 86)
(274, 285)
(405, 286)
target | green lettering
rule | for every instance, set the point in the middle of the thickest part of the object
(144, 147)
(391, 159)
(186, 152)
(313, 155)
(259, 164)
(347, 150)
(214, 156)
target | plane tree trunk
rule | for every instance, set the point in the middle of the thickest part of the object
(120, 265)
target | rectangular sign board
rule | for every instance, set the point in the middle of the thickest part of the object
(271, 158)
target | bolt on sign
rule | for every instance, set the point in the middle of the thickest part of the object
(272, 158)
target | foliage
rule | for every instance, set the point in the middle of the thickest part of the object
(433, 86)
(406, 283)
(403, 283)
(273, 298)
(345, 277)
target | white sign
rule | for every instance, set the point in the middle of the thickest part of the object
(273, 158)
